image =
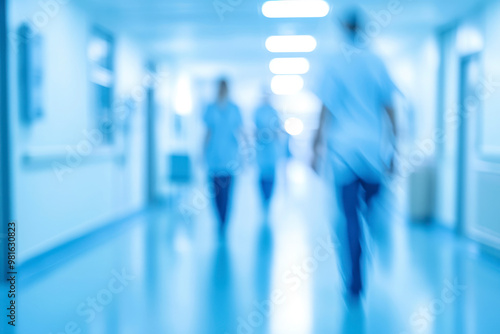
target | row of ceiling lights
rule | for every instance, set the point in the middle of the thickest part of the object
(287, 79)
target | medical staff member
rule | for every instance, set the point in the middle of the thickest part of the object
(268, 132)
(358, 125)
(224, 124)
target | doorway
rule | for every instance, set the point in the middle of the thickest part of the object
(469, 105)
(151, 195)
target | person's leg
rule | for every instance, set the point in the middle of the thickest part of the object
(222, 185)
(218, 196)
(350, 204)
(371, 190)
(378, 223)
(226, 194)
(266, 186)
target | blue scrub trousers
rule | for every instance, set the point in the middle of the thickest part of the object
(352, 196)
(222, 187)
(267, 187)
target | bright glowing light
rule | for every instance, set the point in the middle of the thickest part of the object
(295, 8)
(289, 65)
(304, 102)
(469, 40)
(97, 50)
(183, 103)
(291, 43)
(287, 84)
(294, 126)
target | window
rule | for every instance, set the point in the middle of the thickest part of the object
(101, 55)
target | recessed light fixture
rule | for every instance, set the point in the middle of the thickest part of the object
(295, 8)
(287, 84)
(296, 65)
(294, 126)
(291, 43)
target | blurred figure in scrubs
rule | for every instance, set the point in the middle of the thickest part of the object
(358, 126)
(268, 133)
(224, 124)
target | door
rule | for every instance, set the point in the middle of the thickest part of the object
(478, 209)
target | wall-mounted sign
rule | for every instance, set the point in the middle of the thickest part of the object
(30, 74)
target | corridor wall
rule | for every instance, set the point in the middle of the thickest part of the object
(66, 182)
(474, 34)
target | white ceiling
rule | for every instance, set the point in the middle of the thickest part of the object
(170, 27)
(190, 36)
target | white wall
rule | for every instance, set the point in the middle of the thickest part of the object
(50, 210)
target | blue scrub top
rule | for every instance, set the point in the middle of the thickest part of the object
(222, 151)
(356, 89)
(268, 131)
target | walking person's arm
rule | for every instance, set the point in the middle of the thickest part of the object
(318, 138)
(392, 118)
(206, 140)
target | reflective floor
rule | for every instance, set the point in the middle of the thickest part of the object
(167, 272)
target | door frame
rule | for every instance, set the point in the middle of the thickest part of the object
(463, 141)
(150, 167)
(5, 155)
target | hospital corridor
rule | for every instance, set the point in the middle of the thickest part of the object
(249, 166)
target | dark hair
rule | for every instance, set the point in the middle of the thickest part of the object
(222, 83)
(223, 88)
(352, 20)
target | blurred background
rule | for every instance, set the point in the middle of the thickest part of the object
(102, 168)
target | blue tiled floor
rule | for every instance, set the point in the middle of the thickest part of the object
(163, 273)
